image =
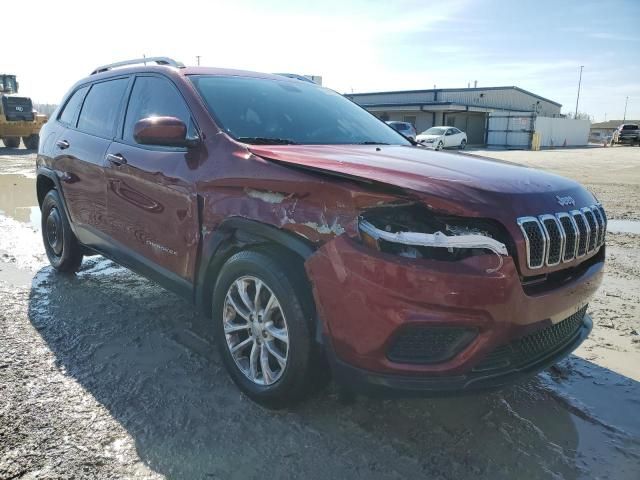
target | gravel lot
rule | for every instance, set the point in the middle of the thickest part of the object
(106, 375)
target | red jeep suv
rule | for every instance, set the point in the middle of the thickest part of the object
(314, 236)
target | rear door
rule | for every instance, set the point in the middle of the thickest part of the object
(80, 153)
(151, 196)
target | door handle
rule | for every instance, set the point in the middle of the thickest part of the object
(62, 144)
(116, 159)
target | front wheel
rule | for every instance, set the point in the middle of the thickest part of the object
(439, 146)
(463, 144)
(263, 329)
(60, 244)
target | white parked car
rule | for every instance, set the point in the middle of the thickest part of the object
(442, 137)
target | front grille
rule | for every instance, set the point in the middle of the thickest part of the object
(17, 108)
(534, 237)
(425, 344)
(593, 227)
(571, 232)
(583, 232)
(552, 238)
(535, 346)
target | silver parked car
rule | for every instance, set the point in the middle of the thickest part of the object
(443, 137)
(405, 128)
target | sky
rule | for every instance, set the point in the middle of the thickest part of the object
(356, 46)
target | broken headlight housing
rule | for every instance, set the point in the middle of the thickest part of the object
(414, 232)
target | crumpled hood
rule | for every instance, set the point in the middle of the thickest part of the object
(457, 183)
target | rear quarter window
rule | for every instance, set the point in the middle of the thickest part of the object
(101, 107)
(70, 110)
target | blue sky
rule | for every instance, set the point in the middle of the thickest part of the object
(356, 46)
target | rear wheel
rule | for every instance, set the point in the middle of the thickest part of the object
(463, 144)
(11, 142)
(60, 244)
(32, 141)
(262, 331)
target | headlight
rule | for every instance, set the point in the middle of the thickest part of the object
(415, 233)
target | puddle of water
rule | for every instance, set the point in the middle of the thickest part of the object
(623, 226)
(18, 199)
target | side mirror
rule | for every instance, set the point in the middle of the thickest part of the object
(162, 131)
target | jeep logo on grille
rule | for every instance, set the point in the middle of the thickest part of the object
(20, 109)
(564, 201)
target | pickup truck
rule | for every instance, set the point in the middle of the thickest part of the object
(627, 133)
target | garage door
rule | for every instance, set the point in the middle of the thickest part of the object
(473, 124)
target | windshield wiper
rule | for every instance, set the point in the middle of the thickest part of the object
(266, 141)
(373, 143)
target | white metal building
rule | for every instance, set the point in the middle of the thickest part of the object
(465, 108)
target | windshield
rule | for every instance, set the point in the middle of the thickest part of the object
(256, 110)
(8, 84)
(434, 131)
(630, 127)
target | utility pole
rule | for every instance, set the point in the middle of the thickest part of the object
(579, 85)
(198, 59)
(625, 109)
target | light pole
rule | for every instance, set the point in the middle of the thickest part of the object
(578, 98)
(625, 109)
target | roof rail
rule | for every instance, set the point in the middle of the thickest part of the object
(158, 60)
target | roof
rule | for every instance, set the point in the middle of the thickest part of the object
(138, 68)
(613, 123)
(478, 89)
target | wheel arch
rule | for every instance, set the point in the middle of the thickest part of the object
(44, 183)
(233, 235)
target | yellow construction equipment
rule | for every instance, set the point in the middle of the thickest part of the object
(18, 118)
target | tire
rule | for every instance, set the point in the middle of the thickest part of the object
(11, 142)
(62, 247)
(31, 142)
(285, 382)
(463, 144)
(440, 146)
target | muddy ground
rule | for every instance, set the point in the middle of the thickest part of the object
(106, 375)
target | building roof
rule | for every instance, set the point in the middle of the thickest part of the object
(613, 123)
(353, 95)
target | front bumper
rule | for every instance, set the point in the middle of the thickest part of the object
(365, 298)
(384, 384)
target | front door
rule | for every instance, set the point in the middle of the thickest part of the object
(151, 196)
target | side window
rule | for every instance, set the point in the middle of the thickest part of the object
(154, 97)
(68, 114)
(100, 110)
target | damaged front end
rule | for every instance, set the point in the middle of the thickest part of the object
(414, 232)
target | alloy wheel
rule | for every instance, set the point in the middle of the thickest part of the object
(256, 330)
